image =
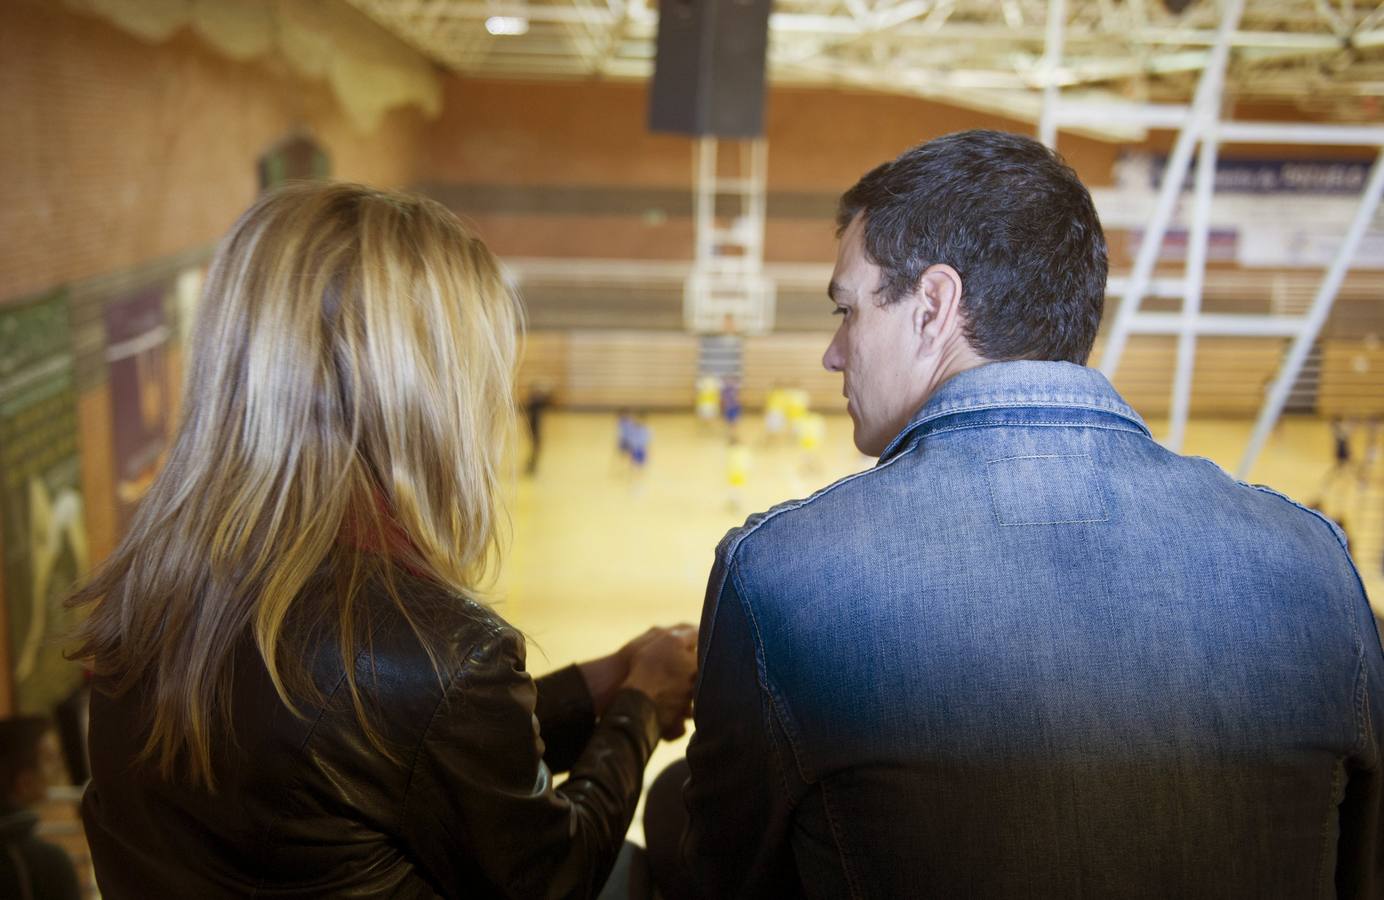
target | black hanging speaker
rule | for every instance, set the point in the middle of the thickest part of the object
(709, 68)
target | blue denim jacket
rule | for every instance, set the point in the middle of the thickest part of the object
(1032, 653)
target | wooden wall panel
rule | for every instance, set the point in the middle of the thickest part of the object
(1352, 378)
(792, 360)
(1229, 377)
(544, 362)
(609, 369)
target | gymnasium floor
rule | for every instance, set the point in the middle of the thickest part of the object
(597, 556)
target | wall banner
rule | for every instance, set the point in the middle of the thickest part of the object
(41, 507)
(1276, 176)
(136, 358)
(1283, 213)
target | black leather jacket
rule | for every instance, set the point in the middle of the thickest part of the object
(32, 869)
(307, 807)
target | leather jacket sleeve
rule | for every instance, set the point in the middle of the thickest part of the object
(566, 716)
(479, 782)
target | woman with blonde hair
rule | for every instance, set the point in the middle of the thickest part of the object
(298, 690)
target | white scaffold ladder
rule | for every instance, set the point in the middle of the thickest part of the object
(1202, 123)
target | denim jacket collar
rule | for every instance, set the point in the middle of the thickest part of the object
(985, 393)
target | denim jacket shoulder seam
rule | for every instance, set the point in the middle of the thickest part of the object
(1362, 706)
(776, 755)
(792, 505)
(1335, 529)
(732, 574)
(852, 882)
(1361, 698)
(776, 705)
(1325, 848)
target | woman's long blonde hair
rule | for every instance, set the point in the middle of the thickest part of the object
(349, 395)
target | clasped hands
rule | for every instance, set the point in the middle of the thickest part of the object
(661, 663)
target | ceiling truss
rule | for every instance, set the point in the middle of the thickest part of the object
(1324, 56)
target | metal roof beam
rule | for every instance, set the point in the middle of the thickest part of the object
(893, 20)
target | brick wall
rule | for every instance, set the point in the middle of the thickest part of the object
(569, 169)
(594, 133)
(117, 152)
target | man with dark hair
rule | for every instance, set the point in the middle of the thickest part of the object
(30, 760)
(1031, 653)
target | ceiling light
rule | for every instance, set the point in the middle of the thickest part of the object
(507, 25)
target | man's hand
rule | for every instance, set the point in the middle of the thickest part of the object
(606, 675)
(663, 666)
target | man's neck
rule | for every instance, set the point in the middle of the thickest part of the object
(955, 359)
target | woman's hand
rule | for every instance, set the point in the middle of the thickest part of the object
(606, 675)
(663, 666)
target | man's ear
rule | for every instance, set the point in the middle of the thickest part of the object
(937, 314)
